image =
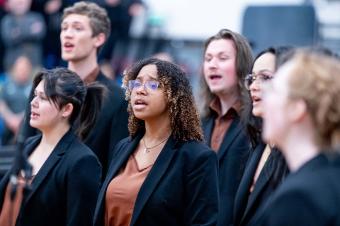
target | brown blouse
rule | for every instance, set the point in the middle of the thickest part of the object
(10, 209)
(121, 193)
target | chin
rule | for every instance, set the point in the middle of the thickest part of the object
(32, 124)
(216, 90)
(257, 112)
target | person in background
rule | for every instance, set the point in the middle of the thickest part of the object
(301, 114)
(266, 167)
(162, 174)
(114, 54)
(66, 174)
(227, 60)
(14, 95)
(84, 28)
(22, 33)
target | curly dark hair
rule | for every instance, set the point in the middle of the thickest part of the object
(184, 117)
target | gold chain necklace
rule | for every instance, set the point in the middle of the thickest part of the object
(148, 149)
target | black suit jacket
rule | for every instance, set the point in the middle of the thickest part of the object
(232, 156)
(110, 127)
(65, 189)
(180, 189)
(310, 196)
(247, 205)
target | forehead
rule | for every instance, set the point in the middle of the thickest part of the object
(265, 62)
(221, 45)
(40, 86)
(77, 19)
(148, 72)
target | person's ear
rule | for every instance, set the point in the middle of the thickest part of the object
(297, 110)
(67, 110)
(99, 39)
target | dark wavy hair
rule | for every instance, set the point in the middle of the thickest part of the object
(184, 117)
(253, 124)
(63, 86)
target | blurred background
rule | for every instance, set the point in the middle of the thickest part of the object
(174, 30)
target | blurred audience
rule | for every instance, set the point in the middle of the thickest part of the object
(13, 97)
(24, 34)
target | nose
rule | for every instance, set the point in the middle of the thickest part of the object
(255, 85)
(212, 63)
(34, 102)
(66, 33)
(141, 89)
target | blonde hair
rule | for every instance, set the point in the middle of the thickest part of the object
(315, 78)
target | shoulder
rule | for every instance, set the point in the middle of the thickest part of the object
(317, 189)
(79, 151)
(123, 143)
(32, 139)
(196, 152)
(205, 120)
(115, 91)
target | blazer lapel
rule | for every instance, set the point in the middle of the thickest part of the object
(153, 178)
(246, 182)
(51, 161)
(229, 137)
(207, 129)
(261, 182)
(114, 168)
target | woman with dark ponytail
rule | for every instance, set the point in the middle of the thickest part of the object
(66, 173)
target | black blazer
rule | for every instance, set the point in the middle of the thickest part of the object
(65, 189)
(180, 189)
(310, 196)
(247, 205)
(112, 123)
(232, 155)
(110, 127)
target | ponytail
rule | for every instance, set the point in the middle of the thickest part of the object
(91, 107)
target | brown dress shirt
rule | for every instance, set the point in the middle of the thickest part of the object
(222, 122)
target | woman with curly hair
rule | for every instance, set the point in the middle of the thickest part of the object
(301, 115)
(162, 174)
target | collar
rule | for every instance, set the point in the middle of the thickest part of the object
(215, 106)
(92, 76)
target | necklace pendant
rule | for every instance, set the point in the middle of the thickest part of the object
(146, 150)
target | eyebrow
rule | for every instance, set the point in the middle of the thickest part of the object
(71, 23)
(263, 70)
(150, 76)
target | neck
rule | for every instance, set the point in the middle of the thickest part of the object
(52, 136)
(83, 67)
(157, 129)
(299, 148)
(227, 101)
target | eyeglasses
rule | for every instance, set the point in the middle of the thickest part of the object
(250, 78)
(150, 85)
